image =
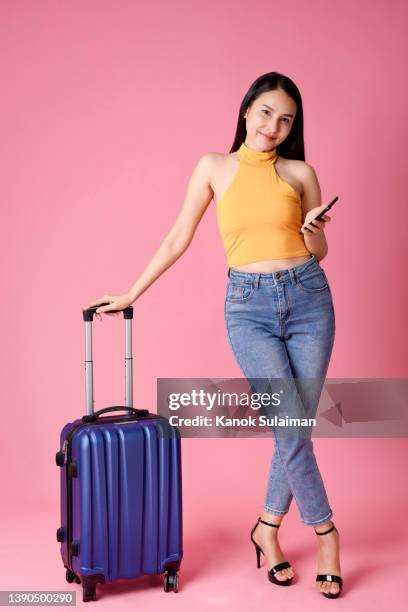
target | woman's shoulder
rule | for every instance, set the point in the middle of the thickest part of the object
(297, 164)
(218, 162)
(214, 159)
(221, 162)
(301, 170)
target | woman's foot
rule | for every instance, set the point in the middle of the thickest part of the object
(266, 537)
(329, 558)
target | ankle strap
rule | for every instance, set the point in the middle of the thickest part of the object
(324, 532)
(270, 524)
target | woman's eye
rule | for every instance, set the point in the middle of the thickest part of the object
(285, 119)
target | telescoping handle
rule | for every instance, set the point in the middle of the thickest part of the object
(88, 315)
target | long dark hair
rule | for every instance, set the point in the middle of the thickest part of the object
(293, 146)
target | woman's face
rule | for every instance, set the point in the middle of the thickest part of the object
(269, 120)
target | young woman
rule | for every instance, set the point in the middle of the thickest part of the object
(278, 308)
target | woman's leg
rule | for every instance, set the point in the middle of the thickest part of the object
(278, 491)
(281, 330)
(309, 361)
(328, 558)
(267, 538)
(288, 331)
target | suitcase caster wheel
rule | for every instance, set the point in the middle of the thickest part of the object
(170, 582)
(89, 593)
(69, 576)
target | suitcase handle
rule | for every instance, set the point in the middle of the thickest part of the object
(88, 315)
(89, 418)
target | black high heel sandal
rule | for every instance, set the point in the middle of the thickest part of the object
(329, 577)
(275, 568)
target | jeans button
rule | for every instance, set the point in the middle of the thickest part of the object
(277, 275)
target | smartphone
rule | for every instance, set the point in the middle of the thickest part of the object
(320, 215)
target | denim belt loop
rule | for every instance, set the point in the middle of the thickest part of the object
(229, 272)
(292, 276)
(256, 280)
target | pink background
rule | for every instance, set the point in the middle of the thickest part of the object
(106, 108)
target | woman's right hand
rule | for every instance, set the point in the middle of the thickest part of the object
(115, 302)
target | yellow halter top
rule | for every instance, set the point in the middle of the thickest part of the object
(260, 214)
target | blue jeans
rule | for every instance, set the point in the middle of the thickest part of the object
(282, 325)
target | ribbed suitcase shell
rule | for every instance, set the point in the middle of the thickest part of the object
(126, 498)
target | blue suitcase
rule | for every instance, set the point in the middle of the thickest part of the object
(121, 489)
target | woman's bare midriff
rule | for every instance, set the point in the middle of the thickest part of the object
(224, 173)
(272, 265)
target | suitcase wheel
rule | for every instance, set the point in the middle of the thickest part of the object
(70, 577)
(89, 593)
(170, 582)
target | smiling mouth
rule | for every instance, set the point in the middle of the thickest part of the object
(267, 137)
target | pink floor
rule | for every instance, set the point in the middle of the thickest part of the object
(367, 486)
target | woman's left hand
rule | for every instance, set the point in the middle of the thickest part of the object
(309, 226)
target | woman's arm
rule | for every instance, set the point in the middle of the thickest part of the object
(199, 195)
(315, 240)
